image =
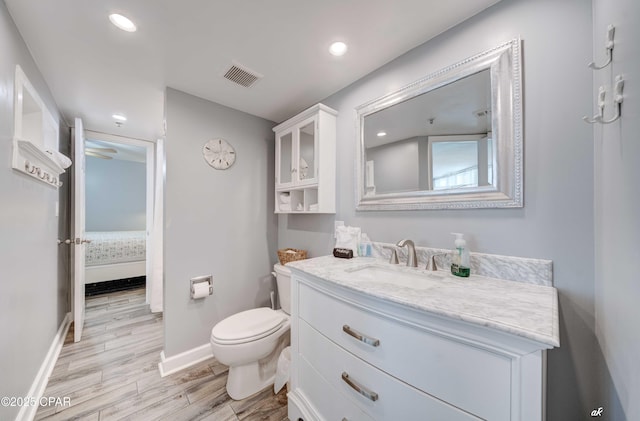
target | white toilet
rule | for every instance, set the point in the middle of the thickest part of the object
(250, 342)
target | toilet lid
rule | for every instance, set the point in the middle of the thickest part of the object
(248, 325)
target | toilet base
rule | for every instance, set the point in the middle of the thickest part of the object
(248, 379)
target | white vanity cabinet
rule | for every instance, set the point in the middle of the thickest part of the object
(305, 162)
(358, 357)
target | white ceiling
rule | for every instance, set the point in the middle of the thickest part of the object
(117, 151)
(95, 70)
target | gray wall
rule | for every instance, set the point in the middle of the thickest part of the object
(617, 149)
(116, 195)
(33, 299)
(557, 220)
(216, 222)
(396, 166)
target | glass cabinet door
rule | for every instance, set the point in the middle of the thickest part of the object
(307, 162)
(285, 153)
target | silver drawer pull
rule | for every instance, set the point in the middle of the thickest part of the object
(359, 336)
(359, 388)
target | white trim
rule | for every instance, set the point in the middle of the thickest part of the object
(299, 406)
(154, 162)
(28, 412)
(155, 271)
(183, 360)
(93, 135)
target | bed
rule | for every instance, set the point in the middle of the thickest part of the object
(115, 255)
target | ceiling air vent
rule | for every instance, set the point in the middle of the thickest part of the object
(241, 75)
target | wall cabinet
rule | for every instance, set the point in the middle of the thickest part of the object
(357, 357)
(305, 162)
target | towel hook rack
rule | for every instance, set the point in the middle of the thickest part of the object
(611, 30)
(597, 118)
(617, 100)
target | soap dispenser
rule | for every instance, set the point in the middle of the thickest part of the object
(460, 260)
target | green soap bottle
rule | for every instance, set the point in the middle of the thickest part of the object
(460, 260)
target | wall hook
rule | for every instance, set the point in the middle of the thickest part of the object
(598, 117)
(611, 30)
(617, 100)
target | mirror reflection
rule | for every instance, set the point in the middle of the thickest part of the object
(460, 161)
(439, 140)
(307, 143)
(286, 147)
(451, 140)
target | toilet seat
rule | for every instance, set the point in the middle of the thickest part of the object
(247, 326)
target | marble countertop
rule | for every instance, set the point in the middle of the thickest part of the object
(526, 310)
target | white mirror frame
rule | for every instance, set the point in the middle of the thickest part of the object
(504, 62)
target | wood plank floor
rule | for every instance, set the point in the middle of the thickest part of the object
(112, 373)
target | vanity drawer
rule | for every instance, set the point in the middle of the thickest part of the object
(327, 402)
(393, 400)
(468, 377)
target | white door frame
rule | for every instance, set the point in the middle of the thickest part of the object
(151, 166)
(78, 240)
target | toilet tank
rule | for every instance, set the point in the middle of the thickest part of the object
(283, 278)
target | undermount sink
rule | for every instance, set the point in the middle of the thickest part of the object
(397, 276)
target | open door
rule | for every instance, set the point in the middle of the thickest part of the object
(78, 254)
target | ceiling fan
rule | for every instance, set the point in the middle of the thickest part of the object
(100, 152)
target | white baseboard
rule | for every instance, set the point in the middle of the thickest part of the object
(27, 412)
(183, 360)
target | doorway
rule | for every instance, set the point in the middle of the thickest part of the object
(132, 169)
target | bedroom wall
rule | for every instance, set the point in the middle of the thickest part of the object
(33, 288)
(216, 222)
(557, 220)
(116, 195)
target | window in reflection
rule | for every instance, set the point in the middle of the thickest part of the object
(460, 162)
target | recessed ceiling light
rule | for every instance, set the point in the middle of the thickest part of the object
(381, 134)
(338, 48)
(119, 117)
(122, 22)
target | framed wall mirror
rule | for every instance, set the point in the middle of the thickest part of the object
(451, 140)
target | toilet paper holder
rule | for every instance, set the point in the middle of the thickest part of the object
(199, 280)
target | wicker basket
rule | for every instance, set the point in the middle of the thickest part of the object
(291, 255)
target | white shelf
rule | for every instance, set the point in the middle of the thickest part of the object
(300, 200)
(33, 161)
(35, 136)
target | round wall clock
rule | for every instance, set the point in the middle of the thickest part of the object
(219, 154)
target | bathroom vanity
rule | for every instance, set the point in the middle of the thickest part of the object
(375, 341)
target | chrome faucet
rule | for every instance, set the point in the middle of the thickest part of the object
(411, 252)
(394, 255)
(431, 263)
